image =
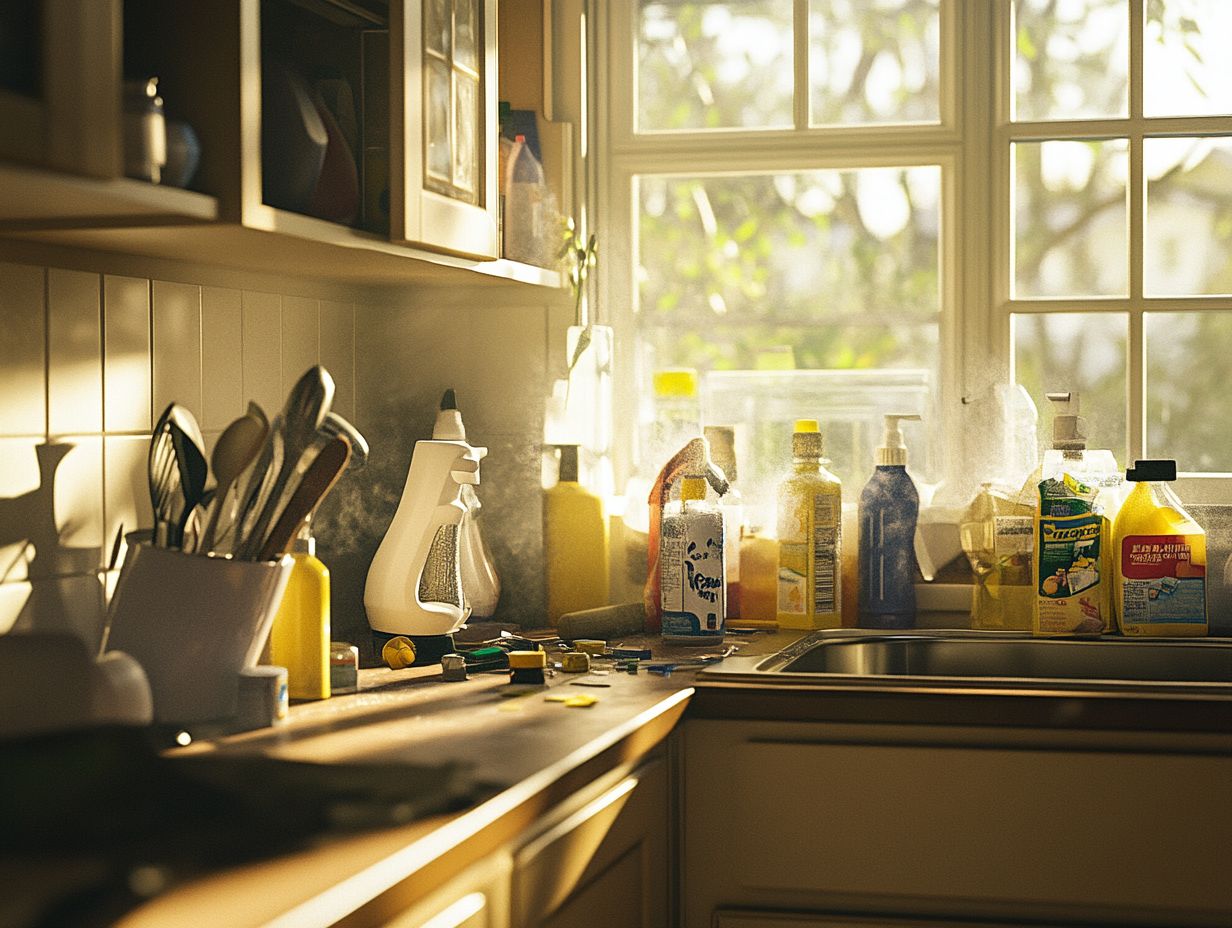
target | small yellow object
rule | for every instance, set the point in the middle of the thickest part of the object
(575, 662)
(527, 660)
(592, 646)
(580, 702)
(675, 381)
(807, 425)
(398, 652)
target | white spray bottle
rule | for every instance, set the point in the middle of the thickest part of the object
(414, 585)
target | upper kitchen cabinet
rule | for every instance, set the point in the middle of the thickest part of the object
(63, 131)
(346, 139)
(444, 172)
(58, 78)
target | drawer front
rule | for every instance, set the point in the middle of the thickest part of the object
(476, 898)
(605, 864)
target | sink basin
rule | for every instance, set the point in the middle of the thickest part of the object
(1117, 659)
(974, 657)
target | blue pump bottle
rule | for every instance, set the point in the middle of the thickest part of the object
(889, 508)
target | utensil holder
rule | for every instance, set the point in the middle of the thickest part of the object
(193, 622)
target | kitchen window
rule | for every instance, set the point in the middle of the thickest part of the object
(832, 208)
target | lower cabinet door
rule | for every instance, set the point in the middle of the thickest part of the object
(605, 864)
(476, 898)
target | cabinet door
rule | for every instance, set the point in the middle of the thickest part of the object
(477, 898)
(443, 115)
(604, 865)
(60, 84)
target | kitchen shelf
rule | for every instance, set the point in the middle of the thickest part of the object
(131, 217)
(31, 198)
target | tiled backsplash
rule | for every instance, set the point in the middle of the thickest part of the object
(87, 361)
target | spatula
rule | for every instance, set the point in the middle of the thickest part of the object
(316, 483)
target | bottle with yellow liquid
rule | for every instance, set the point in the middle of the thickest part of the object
(1160, 556)
(810, 544)
(575, 541)
(299, 639)
(996, 534)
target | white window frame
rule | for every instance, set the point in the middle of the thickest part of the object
(971, 143)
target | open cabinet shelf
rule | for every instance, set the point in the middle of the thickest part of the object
(231, 222)
(283, 243)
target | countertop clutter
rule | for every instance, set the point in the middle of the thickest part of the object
(391, 805)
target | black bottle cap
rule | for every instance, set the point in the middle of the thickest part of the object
(568, 463)
(449, 400)
(1144, 471)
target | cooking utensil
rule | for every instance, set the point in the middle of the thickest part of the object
(164, 478)
(294, 431)
(190, 459)
(335, 425)
(316, 483)
(237, 446)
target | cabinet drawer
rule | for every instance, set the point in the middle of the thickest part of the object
(605, 864)
(1056, 827)
(476, 898)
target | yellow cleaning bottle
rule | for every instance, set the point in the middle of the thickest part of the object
(299, 639)
(810, 543)
(575, 541)
(1160, 556)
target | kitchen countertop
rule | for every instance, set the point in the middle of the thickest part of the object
(532, 755)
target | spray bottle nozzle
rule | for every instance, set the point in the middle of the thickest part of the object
(892, 450)
(1069, 430)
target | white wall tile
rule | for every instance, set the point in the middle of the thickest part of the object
(222, 356)
(177, 346)
(126, 354)
(79, 506)
(75, 353)
(126, 488)
(338, 352)
(23, 350)
(301, 340)
(501, 376)
(13, 598)
(24, 510)
(262, 315)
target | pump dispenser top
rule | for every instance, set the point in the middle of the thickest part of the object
(1069, 430)
(892, 451)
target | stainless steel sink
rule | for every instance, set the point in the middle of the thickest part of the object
(972, 657)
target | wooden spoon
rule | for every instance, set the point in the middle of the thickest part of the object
(235, 450)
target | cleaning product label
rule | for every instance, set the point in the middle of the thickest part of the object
(826, 529)
(1011, 536)
(1160, 582)
(793, 583)
(692, 585)
(795, 597)
(1071, 596)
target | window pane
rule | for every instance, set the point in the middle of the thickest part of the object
(466, 146)
(437, 142)
(1070, 218)
(1187, 387)
(796, 274)
(1056, 352)
(466, 39)
(1188, 216)
(781, 249)
(1188, 71)
(714, 65)
(1071, 59)
(879, 66)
